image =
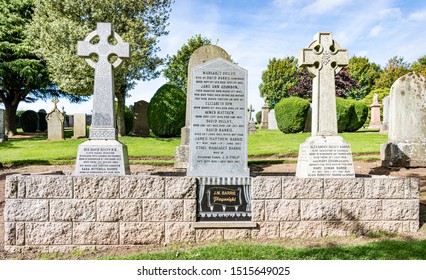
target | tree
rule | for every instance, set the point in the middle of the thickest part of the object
(395, 68)
(59, 24)
(176, 68)
(23, 75)
(278, 79)
(365, 73)
(419, 66)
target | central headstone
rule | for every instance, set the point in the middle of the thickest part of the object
(55, 123)
(103, 154)
(324, 154)
(218, 141)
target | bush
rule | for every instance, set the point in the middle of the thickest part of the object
(18, 118)
(359, 116)
(291, 114)
(259, 117)
(29, 121)
(128, 118)
(344, 109)
(166, 112)
(42, 123)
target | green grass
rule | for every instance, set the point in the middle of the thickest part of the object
(383, 250)
(153, 150)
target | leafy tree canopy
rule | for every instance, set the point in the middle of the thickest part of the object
(365, 73)
(395, 68)
(419, 66)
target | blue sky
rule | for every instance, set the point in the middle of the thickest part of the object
(252, 32)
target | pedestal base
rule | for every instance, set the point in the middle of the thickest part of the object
(102, 157)
(181, 158)
(403, 154)
(325, 157)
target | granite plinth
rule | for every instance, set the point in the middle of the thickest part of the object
(407, 154)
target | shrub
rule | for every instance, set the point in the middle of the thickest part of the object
(166, 112)
(344, 109)
(358, 117)
(42, 123)
(18, 118)
(128, 118)
(28, 121)
(259, 117)
(291, 114)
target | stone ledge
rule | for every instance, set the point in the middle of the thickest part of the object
(200, 225)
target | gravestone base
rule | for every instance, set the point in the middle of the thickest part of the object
(181, 158)
(325, 157)
(102, 157)
(384, 128)
(403, 154)
(252, 128)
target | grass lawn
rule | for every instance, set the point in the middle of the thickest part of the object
(273, 143)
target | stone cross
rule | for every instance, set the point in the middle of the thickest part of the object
(324, 59)
(250, 110)
(55, 102)
(103, 119)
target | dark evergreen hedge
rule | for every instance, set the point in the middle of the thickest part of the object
(359, 116)
(291, 114)
(259, 117)
(42, 123)
(29, 121)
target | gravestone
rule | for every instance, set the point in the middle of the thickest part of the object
(406, 145)
(55, 123)
(140, 121)
(272, 121)
(251, 123)
(385, 125)
(218, 141)
(199, 56)
(80, 126)
(324, 154)
(265, 111)
(3, 136)
(375, 113)
(103, 154)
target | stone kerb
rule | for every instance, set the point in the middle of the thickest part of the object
(61, 213)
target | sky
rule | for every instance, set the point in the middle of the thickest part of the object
(253, 32)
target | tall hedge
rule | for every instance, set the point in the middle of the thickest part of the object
(344, 110)
(166, 111)
(291, 114)
(259, 117)
(359, 116)
(42, 123)
(29, 121)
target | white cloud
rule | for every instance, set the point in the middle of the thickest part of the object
(418, 16)
(323, 6)
(375, 31)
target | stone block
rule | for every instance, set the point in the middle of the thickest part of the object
(362, 209)
(266, 187)
(401, 209)
(343, 188)
(320, 210)
(208, 235)
(382, 226)
(236, 234)
(258, 210)
(92, 233)
(11, 187)
(9, 233)
(410, 226)
(21, 210)
(119, 210)
(412, 189)
(302, 229)
(179, 232)
(141, 187)
(181, 187)
(302, 188)
(48, 233)
(141, 233)
(96, 187)
(282, 210)
(189, 210)
(72, 210)
(386, 187)
(20, 234)
(47, 186)
(155, 210)
(266, 230)
(344, 228)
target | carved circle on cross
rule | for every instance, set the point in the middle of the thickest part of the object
(326, 55)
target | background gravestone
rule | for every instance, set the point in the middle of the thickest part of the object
(218, 141)
(140, 121)
(199, 56)
(55, 123)
(385, 125)
(3, 136)
(272, 121)
(264, 120)
(375, 113)
(406, 145)
(251, 123)
(80, 126)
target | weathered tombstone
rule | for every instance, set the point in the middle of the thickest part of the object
(324, 154)
(375, 113)
(251, 124)
(406, 145)
(140, 121)
(71, 120)
(3, 136)
(103, 154)
(80, 126)
(199, 56)
(55, 123)
(272, 121)
(265, 111)
(218, 141)
(308, 123)
(385, 125)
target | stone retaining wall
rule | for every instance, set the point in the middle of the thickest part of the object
(61, 213)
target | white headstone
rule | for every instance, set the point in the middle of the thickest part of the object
(324, 154)
(264, 124)
(272, 121)
(55, 123)
(103, 154)
(385, 125)
(406, 145)
(3, 137)
(80, 126)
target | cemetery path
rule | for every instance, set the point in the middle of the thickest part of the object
(289, 169)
